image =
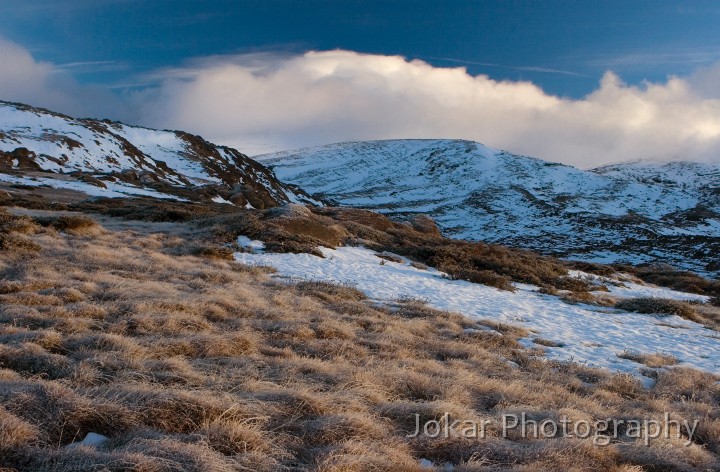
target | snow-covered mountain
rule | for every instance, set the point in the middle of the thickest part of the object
(637, 212)
(39, 147)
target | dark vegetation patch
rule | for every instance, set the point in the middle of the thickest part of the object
(148, 209)
(214, 251)
(74, 224)
(676, 279)
(659, 306)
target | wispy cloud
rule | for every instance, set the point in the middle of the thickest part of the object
(547, 70)
(691, 56)
(90, 67)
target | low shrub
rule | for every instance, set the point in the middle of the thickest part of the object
(76, 224)
(10, 223)
(651, 360)
(391, 258)
(660, 306)
(548, 342)
(592, 268)
(485, 277)
(574, 298)
(215, 252)
(11, 242)
(573, 284)
(329, 291)
(676, 279)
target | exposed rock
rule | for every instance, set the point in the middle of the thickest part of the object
(173, 163)
(18, 159)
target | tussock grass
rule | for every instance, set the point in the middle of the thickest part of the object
(197, 363)
(655, 360)
(77, 225)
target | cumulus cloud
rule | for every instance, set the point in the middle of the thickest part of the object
(262, 102)
(26, 80)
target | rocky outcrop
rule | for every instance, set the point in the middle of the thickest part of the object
(66, 152)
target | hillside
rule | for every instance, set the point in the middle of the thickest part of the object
(637, 213)
(42, 148)
(161, 340)
(194, 319)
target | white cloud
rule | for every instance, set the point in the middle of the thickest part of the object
(26, 80)
(263, 102)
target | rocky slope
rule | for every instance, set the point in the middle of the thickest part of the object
(42, 148)
(638, 212)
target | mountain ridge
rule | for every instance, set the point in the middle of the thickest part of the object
(631, 213)
(41, 147)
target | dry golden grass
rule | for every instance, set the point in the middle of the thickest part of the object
(197, 363)
(654, 360)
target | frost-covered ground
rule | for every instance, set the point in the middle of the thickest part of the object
(588, 334)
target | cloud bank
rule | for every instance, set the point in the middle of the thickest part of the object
(42, 84)
(265, 102)
(324, 97)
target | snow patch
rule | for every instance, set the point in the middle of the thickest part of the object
(588, 334)
(219, 199)
(255, 246)
(91, 439)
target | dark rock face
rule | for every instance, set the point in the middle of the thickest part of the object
(19, 158)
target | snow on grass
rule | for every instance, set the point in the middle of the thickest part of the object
(166, 147)
(251, 244)
(113, 189)
(219, 199)
(627, 289)
(479, 193)
(588, 334)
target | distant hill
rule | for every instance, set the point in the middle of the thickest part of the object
(639, 212)
(39, 147)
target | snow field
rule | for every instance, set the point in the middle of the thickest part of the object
(587, 334)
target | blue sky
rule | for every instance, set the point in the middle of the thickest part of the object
(563, 46)
(123, 52)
